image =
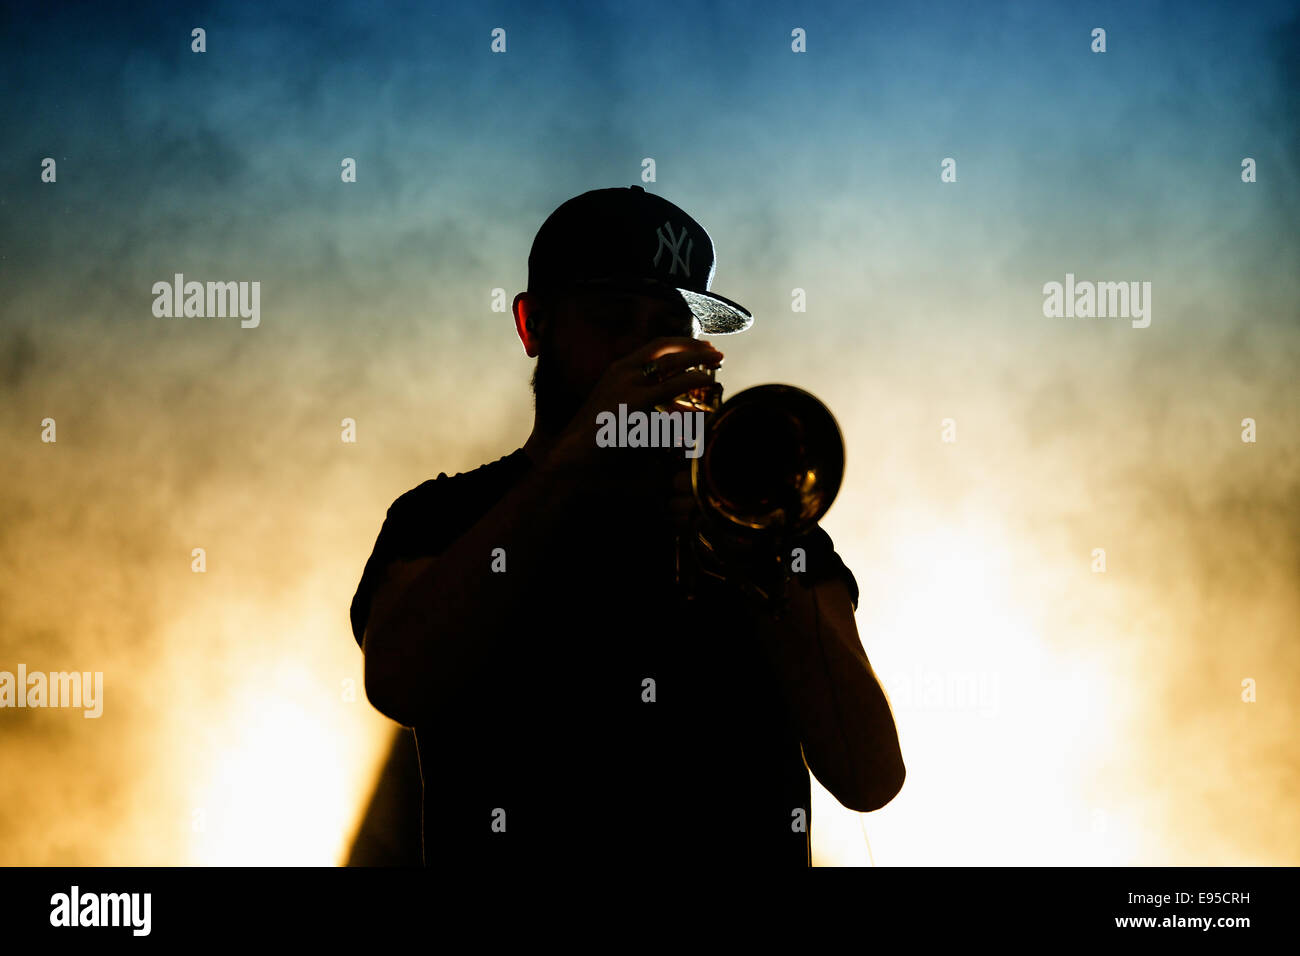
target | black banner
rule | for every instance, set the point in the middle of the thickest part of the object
(1161, 907)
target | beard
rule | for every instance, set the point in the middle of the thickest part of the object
(554, 397)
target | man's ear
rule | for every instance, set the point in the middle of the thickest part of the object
(529, 322)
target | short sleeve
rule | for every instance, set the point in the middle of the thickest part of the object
(428, 519)
(411, 530)
(823, 563)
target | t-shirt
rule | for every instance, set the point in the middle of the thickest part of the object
(621, 725)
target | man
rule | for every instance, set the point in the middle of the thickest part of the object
(525, 620)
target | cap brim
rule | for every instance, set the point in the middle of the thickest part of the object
(716, 314)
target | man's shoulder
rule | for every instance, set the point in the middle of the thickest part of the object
(821, 562)
(424, 520)
(486, 478)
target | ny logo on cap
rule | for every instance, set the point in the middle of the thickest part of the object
(674, 244)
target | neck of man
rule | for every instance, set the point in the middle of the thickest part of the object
(539, 444)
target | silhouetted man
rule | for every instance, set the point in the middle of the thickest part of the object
(524, 617)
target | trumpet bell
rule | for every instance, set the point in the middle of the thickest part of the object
(773, 460)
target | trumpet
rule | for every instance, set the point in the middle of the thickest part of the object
(771, 466)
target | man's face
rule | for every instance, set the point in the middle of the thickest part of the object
(588, 330)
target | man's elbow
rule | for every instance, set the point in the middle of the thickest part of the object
(384, 686)
(884, 790)
(872, 793)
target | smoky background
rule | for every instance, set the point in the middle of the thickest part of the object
(1105, 724)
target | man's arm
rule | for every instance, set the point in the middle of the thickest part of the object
(845, 723)
(436, 619)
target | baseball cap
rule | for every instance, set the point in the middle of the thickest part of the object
(627, 238)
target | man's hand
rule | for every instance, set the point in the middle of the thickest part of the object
(625, 383)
